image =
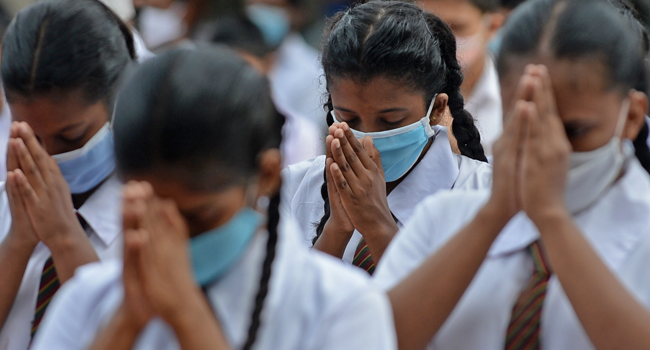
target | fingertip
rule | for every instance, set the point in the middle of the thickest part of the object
(336, 144)
(335, 167)
(345, 126)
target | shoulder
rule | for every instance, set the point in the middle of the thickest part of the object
(473, 174)
(435, 220)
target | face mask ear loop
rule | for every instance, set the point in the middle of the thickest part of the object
(433, 102)
(622, 118)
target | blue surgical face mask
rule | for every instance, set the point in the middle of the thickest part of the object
(400, 148)
(85, 168)
(273, 21)
(215, 252)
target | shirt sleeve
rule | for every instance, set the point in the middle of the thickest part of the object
(363, 321)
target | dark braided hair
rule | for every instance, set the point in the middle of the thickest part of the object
(202, 118)
(398, 41)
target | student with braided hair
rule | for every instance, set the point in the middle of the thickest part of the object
(208, 261)
(391, 73)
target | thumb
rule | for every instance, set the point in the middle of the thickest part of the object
(372, 151)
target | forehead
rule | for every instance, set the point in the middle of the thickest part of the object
(50, 113)
(452, 11)
(376, 93)
(580, 86)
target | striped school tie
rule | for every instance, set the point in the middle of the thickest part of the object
(362, 257)
(48, 286)
(523, 331)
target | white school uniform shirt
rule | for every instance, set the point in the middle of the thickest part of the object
(295, 79)
(301, 139)
(5, 128)
(103, 213)
(314, 302)
(484, 103)
(439, 169)
(617, 226)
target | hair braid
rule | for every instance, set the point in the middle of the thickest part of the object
(323, 189)
(274, 220)
(463, 127)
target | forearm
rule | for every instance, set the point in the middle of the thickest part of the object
(70, 252)
(612, 318)
(119, 334)
(14, 257)
(333, 242)
(197, 328)
(423, 301)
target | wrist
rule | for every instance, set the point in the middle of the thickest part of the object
(21, 242)
(550, 218)
(128, 324)
(65, 239)
(192, 308)
(333, 230)
(496, 212)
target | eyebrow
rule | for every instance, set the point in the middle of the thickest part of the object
(70, 127)
(388, 110)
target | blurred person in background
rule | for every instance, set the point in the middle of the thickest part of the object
(507, 6)
(474, 23)
(296, 71)
(301, 139)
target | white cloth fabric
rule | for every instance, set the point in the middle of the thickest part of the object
(103, 213)
(142, 52)
(484, 103)
(162, 26)
(314, 302)
(5, 128)
(295, 79)
(301, 139)
(617, 226)
(439, 169)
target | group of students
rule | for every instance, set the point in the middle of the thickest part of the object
(146, 205)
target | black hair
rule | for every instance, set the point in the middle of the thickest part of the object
(66, 46)
(240, 33)
(510, 4)
(401, 42)
(201, 117)
(486, 5)
(582, 29)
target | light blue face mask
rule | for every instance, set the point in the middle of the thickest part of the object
(85, 168)
(400, 148)
(273, 21)
(215, 252)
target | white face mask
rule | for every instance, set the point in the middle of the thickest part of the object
(591, 173)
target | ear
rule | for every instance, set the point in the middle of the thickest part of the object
(495, 23)
(439, 109)
(270, 165)
(636, 117)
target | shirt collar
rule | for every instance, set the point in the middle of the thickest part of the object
(614, 225)
(437, 170)
(103, 210)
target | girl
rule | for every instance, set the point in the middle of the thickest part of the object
(391, 74)
(61, 64)
(578, 185)
(200, 128)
